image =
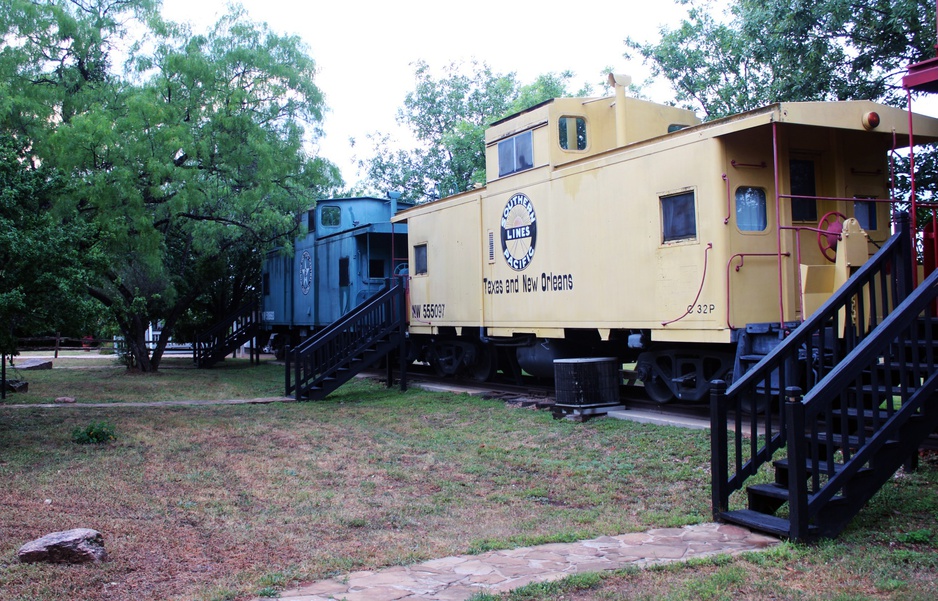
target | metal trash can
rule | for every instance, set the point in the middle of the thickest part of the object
(586, 384)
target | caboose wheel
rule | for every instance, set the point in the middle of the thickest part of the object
(655, 387)
(658, 390)
(829, 228)
(484, 366)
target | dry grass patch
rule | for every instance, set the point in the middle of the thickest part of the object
(226, 502)
(890, 551)
(100, 379)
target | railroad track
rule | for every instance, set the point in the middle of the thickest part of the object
(541, 396)
(537, 394)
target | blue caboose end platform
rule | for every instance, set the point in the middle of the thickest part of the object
(349, 251)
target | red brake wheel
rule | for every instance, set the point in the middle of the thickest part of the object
(829, 228)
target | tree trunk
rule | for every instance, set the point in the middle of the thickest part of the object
(137, 350)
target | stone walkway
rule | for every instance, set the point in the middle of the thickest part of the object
(459, 578)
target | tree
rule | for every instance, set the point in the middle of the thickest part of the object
(195, 156)
(773, 50)
(42, 277)
(448, 116)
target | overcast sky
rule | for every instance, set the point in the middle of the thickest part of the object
(364, 48)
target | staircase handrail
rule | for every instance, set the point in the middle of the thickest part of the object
(784, 360)
(384, 299)
(823, 396)
(222, 332)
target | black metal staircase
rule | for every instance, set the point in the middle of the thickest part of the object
(357, 341)
(224, 337)
(850, 394)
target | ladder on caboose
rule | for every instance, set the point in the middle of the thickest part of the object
(355, 342)
(848, 396)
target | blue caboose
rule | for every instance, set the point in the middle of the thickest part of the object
(349, 251)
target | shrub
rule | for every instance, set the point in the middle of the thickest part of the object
(94, 433)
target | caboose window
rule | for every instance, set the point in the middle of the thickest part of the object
(865, 212)
(572, 133)
(802, 184)
(515, 154)
(750, 209)
(678, 219)
(330, 216)
(420, 259)
(376, 268)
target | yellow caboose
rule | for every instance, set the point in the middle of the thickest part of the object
(621, 227)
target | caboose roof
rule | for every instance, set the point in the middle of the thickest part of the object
(845, 115)
(840, 115)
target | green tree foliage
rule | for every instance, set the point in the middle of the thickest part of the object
(42, 255)
(191, 161)
(764, 51)
(447, 116)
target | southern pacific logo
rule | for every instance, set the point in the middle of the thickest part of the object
(519, 232)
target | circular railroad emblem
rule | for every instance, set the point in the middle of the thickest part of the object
(519, 232)
(306, 272)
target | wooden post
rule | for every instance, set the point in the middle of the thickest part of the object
(719, 449)
(797, 471)
(57, 338)
(402, 349)
(286, 361)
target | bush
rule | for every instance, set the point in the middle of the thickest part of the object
(94, 433)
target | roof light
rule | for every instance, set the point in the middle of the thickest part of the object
(871, 120)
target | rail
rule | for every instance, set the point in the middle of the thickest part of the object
(212, 345)
(367, 333)
(803, 359)
(894, 366)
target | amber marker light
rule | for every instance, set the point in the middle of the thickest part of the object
(871, 120)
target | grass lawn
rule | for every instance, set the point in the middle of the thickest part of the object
(228, 502)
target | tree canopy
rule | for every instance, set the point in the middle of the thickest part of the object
(191, 160)
(447, 115)
(764, 51)
(42, 272)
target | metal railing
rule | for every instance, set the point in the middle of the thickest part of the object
(341, 344)
(860, 407)
(222, 338)
(803, 359)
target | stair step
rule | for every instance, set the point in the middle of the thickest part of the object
(851, 441)
(821, 466)
(782, 469)
(769, 490)
(882, 390)
(778, 492)
(762, 522)
(868, 414)
(839, 440)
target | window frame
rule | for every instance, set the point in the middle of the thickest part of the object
(563, 133)
(803, 203)
(372, 263)
(333, 209)
(417, 259)
(869, 202)
(512, 151)
(666, 215)
(765, 209)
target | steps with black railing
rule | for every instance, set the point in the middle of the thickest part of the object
(357, 341)
(849, 410)
(868, 428)
(223, 338)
